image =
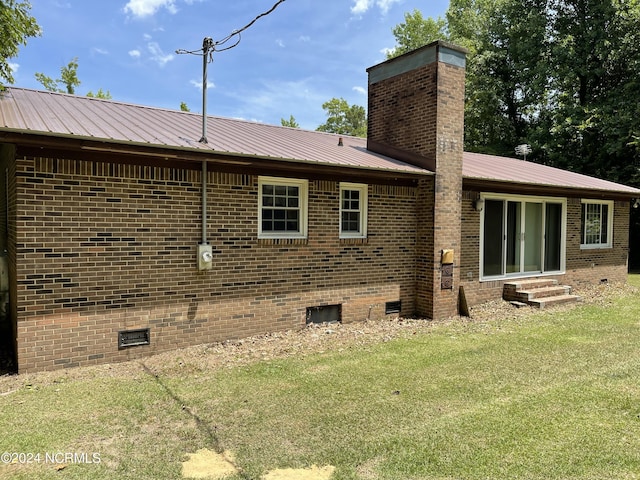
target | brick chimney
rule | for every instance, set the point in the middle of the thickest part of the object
(416, 114)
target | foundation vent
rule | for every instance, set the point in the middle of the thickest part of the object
(393, 307)
(324, 314)
(133, 338)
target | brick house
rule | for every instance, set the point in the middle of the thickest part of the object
(126, 236)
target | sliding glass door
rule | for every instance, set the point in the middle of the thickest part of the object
(521, 236)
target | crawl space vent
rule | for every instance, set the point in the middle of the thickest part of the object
(324, 314)
(133, 338)
(393, 307)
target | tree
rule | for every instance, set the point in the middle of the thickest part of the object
(416, 32)
(17, 25)
(100, 94)
(289, 123)
(184, 107)
(344, 118)
(561, 75)
(557, 74)
(69, 78)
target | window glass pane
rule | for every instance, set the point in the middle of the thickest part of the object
(604, 225)
(493, 240)
(553, 237)
(281, 208)
(351, 215)
(594, 228)
(592, 224)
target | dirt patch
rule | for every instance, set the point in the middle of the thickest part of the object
(313, 473)
(208, 464)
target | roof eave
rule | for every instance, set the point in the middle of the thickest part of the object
(177, 153)
(546, 189)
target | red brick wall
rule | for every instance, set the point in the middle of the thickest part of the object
(101, 248)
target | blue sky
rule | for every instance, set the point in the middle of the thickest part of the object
(288, 63)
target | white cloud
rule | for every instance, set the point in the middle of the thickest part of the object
(13, 67)
(134, 53)
(304, 38)
(387, 51)
(100, 51)
(280, 43)
(360, 90)
(273, 100)
(157, 55)
(385, 5)
(198, 84)
(145, 8)
(362, 6)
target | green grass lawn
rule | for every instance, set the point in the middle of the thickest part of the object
(553, 395)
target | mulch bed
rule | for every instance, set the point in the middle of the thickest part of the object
(304, 341)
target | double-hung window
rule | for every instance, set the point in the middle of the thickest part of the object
(282, 208)
(596, 224)
(353, 210)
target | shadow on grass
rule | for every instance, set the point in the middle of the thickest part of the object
(208, 432)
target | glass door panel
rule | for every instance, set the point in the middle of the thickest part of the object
(533, 238)
(514, 237)
(493, 238)
(553, 237)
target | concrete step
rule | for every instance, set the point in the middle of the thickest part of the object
(552, 301)
(543, 292)
(539, 292)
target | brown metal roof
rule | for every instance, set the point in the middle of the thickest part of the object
(36, 112)
(513, 170)
(62, 115)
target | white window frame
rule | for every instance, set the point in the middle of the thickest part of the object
(523, 199)
(363, 190)
(609, 226)
(303, 186)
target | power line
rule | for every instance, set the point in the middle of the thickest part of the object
(209, 46)
(207, 50)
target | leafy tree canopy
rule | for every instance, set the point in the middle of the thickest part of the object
(68, 78)
(344, 118)
(16, 25)
(100, 94)
(290, 123)
(560, 75)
